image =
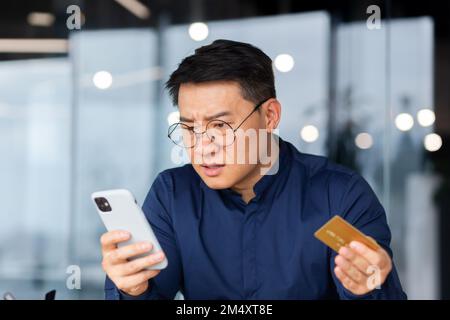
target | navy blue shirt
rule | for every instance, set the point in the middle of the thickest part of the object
(219, 247)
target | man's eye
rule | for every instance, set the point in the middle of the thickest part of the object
(187, 128)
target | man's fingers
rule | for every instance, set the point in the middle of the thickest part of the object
(130, 282)
(137, 265)
(109, 240)
(347, 282)
(122, 254)
(361, 263)
(376, 258)
(351, 271)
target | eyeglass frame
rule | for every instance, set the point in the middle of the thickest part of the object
(256, 107)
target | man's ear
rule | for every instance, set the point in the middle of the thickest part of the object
(272, 114)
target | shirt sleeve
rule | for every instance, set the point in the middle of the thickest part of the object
(157, 211)
(360, 207)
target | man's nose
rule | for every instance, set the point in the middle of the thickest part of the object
(206, 146)
(205, 140)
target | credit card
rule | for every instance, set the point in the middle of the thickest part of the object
(337, 233)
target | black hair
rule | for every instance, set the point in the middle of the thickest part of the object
(226, 60)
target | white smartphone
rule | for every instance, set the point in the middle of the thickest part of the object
(119, 210)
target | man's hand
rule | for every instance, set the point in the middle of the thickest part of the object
(128, 276)
(361, 269)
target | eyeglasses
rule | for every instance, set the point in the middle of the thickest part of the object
(218, 132)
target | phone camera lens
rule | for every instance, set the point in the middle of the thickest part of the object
(103, 204)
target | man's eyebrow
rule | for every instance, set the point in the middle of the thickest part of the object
(183, 119)
(218, 115)
(214, 116)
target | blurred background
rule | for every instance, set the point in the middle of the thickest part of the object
(82, 108)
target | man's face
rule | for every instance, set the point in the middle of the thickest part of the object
(218, 165)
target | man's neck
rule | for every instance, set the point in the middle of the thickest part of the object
(246, 187)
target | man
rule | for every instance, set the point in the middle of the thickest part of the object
(244, 229)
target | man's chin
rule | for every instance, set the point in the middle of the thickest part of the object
(215, 183)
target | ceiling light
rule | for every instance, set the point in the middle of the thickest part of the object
(33, 45)
(136, 8)
(198, 31)
(284, 62)
(41, 19)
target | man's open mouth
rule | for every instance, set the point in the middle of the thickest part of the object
(213, 169)
(215, 165)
